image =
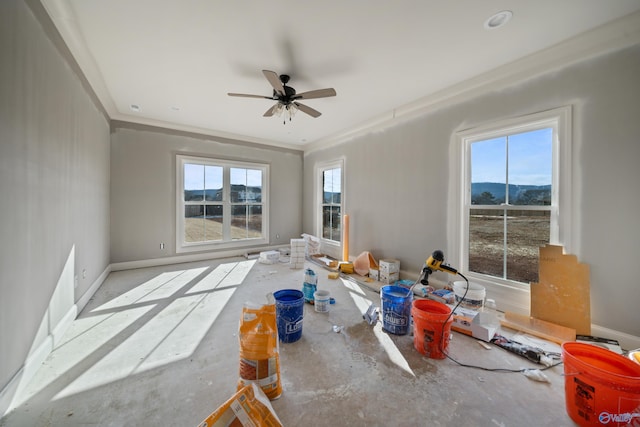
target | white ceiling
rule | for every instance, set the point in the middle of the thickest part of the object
(178, 59)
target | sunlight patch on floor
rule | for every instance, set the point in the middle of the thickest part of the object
(172, 334)
(363, 303)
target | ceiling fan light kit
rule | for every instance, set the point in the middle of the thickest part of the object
(287, 99)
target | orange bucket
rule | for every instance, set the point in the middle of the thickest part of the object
(431, 327)
(601, 387)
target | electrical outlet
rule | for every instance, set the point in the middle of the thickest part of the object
(75, 281)
(277, 236)
(161, 246)
(84, 273)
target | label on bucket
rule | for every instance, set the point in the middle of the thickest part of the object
(292, 327)
(394, 319)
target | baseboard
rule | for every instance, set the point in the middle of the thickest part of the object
(129, 265)
(84, 299)
(627, 341)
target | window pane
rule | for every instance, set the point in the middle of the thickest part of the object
(489, 171)
(213, 183)
(246, 221)
(194, 223)
(193, 182)
(213, 222)
(332, 185)
(255, 221)
(246, 185)
(527, 231)
(486, 242)
(331, 223)
(530, 167)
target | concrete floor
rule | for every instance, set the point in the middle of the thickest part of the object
(159, 347)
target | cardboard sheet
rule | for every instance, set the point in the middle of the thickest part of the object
(563, 293)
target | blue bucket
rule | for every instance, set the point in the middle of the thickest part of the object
(289, 313)
(396, 309)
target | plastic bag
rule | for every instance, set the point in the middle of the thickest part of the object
(259, 348)
(248, 407)
(364, 262)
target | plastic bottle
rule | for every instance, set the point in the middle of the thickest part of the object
(491, 316)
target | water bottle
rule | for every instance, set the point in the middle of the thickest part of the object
(490, 313)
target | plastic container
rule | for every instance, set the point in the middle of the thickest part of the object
(308, 289)
(474, 299)
(431, 327)
(289, 314)
(396, 309)
(601, 387)
(322, 300)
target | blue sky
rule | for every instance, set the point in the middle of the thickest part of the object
(530, 156)
(196, 176)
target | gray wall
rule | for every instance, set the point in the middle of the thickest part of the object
(396, 187)
(143, 187)
(54, 187)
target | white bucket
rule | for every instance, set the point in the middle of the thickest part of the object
(474, 299)
(322, 300)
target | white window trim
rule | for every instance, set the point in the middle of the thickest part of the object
(329, 247)
(181, 246)
(512, 296)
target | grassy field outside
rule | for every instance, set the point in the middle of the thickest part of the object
(525, 236)
(199, 230)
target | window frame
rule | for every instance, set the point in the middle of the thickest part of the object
(227, 242)
(559, 119)
(331, 247)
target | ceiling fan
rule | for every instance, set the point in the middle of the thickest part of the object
(287, 97)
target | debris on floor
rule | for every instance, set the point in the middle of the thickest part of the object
(249, 406)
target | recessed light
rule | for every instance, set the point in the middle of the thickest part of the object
(134, 107)
(175, 108)
(498, 20)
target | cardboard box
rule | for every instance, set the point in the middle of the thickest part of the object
(389, 278)
(269, 257)
(389, 266)
(472, 323)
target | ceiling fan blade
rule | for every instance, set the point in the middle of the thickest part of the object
(271, 111)
(244, 95)
(274, 80)
(306, 109)
(318, 93)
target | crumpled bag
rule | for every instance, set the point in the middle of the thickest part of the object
(364, 262)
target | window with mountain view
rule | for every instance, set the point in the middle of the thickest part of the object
(331, 203)
(512, 190)
(220, 203)
(509, 215)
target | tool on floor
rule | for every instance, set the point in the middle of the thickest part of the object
(534, 354)
(371, 315)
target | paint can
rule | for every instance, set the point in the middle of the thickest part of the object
(474, 298)
(431, 327)
(289, 314)
(322, 300)
(396, 309)
(601, 387)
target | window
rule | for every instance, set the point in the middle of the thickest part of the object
(220, 203)
(515, 176)
(331, 202)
